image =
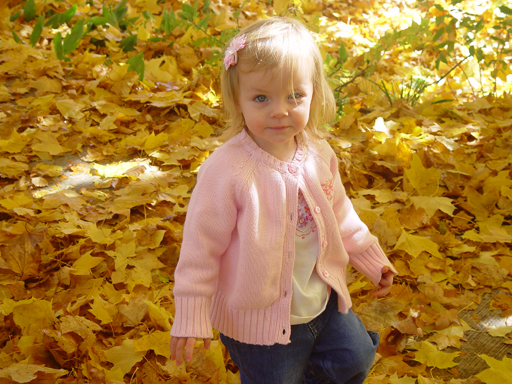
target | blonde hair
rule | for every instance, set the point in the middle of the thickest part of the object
(278, 44)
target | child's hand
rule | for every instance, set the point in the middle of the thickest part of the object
(385, 283)
(180, 344)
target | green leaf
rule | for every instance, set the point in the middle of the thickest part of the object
(121, 10)
(164, 279)
(136, 64)
(15, 16)
(506, 10)
(438, 34)
(29, 10)
(61, 18)
(203, 24)
(169, 22)
(57, 46)
(72, 39)
(206, 6)
(38, 29)
(15, 36)
(128, 43)
(98, 20)
(342, 52)
(113, 20)
(188, 13)
(147, 15)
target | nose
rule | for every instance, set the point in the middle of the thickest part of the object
(279, 109)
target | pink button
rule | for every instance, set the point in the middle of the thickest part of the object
(317, 209)
(326, 274)
(292, 169)
(324, 243)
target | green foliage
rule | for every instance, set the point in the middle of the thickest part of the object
(445, 31)
(29, 10)
(112, 15)
(58, 19)
(136, 64)
(38, 29)
(409, 92)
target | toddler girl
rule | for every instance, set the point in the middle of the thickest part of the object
(270, 230)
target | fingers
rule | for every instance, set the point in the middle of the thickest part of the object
(180, 344)
(383, 291)
(207, 343)
(385, 283)
(172, 345)
(190, 342)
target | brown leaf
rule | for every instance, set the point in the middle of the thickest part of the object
(22, 256)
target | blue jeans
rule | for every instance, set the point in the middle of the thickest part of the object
(332, 348)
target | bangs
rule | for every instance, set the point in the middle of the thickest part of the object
(286, 48)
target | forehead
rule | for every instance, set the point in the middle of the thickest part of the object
(299, 75)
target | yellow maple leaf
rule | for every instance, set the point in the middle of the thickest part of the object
(157, 341)
(414, 245)
(10, 168)
(203, 129)
(70, 109)
(500, 331)
(24, 373)
(150, 5)
(14, 144)
(33, 316)
(124, 356)
(499, 372)
(153, 141)
(432, 204)
(197, 108)
(85, 263)
(102, 310)
(430, 355)
(159, 316)
(424, 180)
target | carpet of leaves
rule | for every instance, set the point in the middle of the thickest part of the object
(97, 167)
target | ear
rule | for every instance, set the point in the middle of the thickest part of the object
(238, 108)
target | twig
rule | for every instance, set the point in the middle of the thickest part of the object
(447, 73)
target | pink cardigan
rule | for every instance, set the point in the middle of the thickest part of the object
(235, 268)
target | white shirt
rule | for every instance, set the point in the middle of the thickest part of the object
(310, 292)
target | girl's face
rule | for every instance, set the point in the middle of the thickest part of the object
(274, 113)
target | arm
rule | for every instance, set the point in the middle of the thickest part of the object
(210, 221)
(365, 253)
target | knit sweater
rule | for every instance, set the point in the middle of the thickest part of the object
(236, 262)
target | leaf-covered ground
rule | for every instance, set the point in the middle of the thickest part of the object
(97, 167)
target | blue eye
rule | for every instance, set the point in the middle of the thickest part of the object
(296, 96)
(260, 98)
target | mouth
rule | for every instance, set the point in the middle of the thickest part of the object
(279, 128)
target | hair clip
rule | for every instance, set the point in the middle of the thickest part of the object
(230, 56)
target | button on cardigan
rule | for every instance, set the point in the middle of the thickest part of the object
(236, 259)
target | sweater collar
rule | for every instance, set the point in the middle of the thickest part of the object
(282, 166)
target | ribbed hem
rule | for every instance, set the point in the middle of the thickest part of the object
(265, 326)
(193, 318)
(370, 263)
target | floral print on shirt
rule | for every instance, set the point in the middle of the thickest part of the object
(328, 188)
(305, 222)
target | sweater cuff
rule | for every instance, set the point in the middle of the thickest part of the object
(192, 318)
(370, 263)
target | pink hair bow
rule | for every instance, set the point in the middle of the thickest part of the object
(230, 56)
